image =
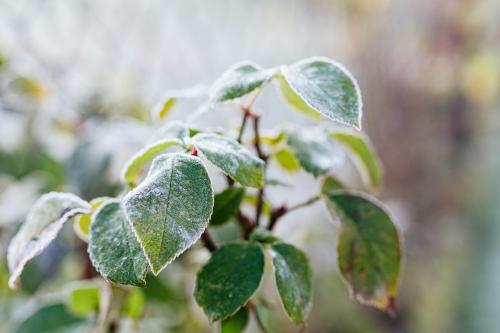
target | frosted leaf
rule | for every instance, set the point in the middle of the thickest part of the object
(171, 208)
(232, 158)
(42, 225)
(325, 86)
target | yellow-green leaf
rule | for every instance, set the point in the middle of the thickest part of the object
(84, 298)
(364, 156)
(287, 160)
(81, 223)
(133, 168)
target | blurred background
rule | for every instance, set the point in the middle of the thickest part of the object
(78, 80)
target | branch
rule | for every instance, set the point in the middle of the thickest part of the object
(262, 156)
(208, 241)
(281, 211)
(246, 223)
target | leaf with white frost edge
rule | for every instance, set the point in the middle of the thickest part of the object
(239, 80)
(364, 157)
(315, 150)
(42, 225)
(134, 166)
(369, 249)
(232, 158)
(113, 248)
(293, 279)
(327, 87)
(171, 208)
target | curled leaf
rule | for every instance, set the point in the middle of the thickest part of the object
(133, 168)
(42, 225)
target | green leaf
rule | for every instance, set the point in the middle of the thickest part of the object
(369, 252)
(133, 168)
(277, 182)
(294, 280)
(294, 100)
(263, 316)
(232, 158)
(134, 306)
(226, 205)
(113, 248)
(81, 223)
(84, 298)
(287, 160)
(53, 318)
(42, 225)
(365, 157)
(326, 87)
(331, 184)
(239, 80)
(315, 150)
(229, 279)
(263, 236)
(171, 208)
(236, 323)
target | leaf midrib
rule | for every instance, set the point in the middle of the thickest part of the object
(172, 164)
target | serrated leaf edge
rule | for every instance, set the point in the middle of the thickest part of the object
(98, 267)
(195, 239)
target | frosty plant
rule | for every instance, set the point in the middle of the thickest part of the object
(165, 210)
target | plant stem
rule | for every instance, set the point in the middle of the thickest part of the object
(256, 126)
(262, 156)
(308, 202)
(208, 241)
(246, 114)
(281, 211)
(246, 224)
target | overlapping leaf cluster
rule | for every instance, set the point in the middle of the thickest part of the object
(168, 208)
